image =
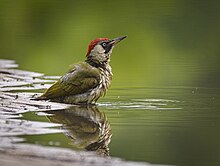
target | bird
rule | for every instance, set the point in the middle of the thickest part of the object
(86, 81)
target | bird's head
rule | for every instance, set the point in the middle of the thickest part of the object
(100, 49)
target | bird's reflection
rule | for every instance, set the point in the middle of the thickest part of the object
(86, 126)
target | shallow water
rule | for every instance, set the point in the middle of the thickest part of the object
(160, 125)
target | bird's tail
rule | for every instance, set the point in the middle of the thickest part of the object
(39, 98)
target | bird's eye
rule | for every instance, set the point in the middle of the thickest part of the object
(104, 44)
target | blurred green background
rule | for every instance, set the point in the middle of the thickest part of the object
(172, 52)
(170, 42)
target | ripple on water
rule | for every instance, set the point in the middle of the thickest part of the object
(148, 104)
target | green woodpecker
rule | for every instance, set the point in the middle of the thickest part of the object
(87, 81)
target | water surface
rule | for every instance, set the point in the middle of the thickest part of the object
(178, 126)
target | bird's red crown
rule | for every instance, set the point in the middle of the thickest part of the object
(93, 44)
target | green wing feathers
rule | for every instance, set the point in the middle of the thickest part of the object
(54, 91)
(80, 79)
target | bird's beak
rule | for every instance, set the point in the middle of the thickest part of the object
(117, 40)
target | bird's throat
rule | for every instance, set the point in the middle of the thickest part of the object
(97, 64)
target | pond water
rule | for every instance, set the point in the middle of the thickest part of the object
(177, 126)
(163, 105)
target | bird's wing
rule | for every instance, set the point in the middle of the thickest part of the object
(79, 79)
